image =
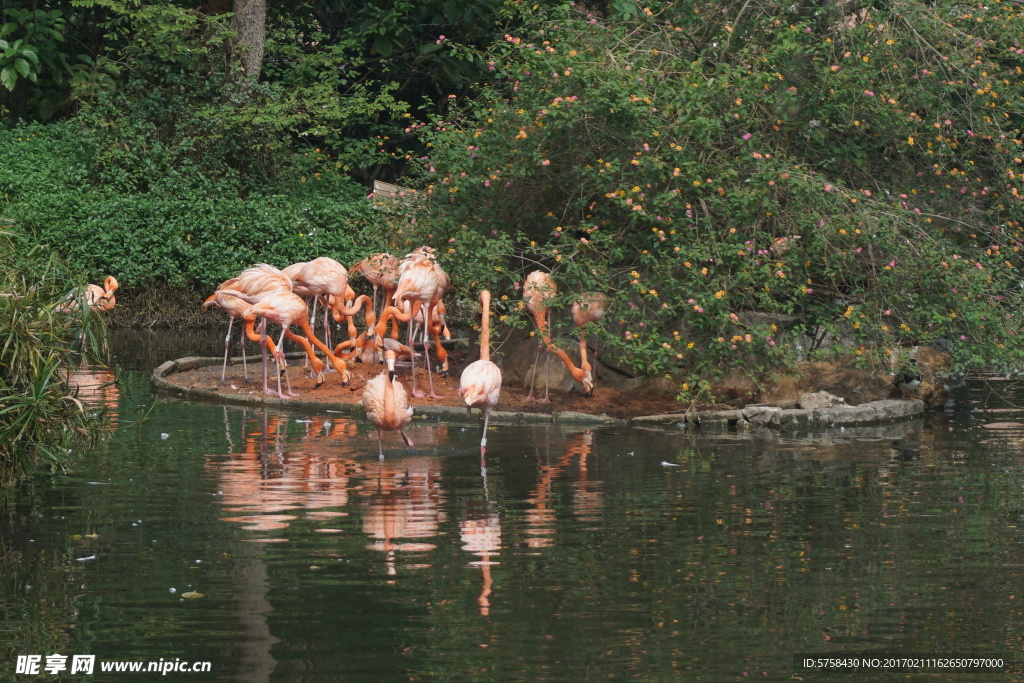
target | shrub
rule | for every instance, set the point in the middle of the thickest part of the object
(39, 347)
(852, 179)
(191, 235)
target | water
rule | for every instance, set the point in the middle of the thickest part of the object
(277, 547)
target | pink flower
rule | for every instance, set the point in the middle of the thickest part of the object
(546, 162)
(747, 136)
(869, 93)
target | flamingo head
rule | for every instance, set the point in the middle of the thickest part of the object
(588, 384)
(389, 361)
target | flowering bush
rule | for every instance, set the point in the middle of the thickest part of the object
(849, 181)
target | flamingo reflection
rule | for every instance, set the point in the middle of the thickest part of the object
(96, 387)
(405, 503)
(270, 484)
(587, 495)
(480, 533)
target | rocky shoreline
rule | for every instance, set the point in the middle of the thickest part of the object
(824, 416)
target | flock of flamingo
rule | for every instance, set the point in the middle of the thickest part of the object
(413, 290)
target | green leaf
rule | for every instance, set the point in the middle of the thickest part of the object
(23, 68)
(8, 78)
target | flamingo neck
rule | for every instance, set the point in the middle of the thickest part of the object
(485, 325)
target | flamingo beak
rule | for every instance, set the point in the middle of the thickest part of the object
(588, 385)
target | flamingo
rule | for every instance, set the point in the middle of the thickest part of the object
(421, 282)
(321, 277)
(480, 384)
(590, 307)
(96, 298)
(255, 280)
(386, 403)
(538, 290)
(285, 309)
(381, 271)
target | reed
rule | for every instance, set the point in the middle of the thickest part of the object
(40, 345)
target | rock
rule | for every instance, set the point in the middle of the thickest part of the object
(819, 399)
(853, 385)
(763, 416)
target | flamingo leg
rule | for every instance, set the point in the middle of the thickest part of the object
(245, 362)
(263, 348)
(533, 377)
(426, 354)
(282, 365)
(380, 446)
(327, 327)
(547, 377)
(227, 347)
(483, 438)
(412, 345)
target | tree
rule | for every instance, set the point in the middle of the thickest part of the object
(249, 25)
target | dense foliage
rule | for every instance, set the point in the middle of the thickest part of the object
(750, 183)
(731, 174)
(40, 346)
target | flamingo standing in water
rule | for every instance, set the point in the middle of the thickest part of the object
(589, 308)
(480, 384)
(422, 283)
(256, 280)
(386, 403)
(96, 298)
(285, 308)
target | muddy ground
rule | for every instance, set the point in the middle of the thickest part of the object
(605, 401)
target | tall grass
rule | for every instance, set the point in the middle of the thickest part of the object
(40, 418)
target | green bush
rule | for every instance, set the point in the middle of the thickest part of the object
(735, 179)
(191, 235)
(40, 419)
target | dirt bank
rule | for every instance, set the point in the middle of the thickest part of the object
(605, 401)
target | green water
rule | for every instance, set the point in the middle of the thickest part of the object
(617, 554)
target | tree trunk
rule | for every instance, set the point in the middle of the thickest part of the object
(248, 23)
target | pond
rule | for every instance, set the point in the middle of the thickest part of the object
(266, 545)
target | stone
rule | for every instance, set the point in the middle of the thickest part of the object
(819, 399)
(762, 416)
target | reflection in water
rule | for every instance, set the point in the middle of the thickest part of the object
(284, 468)
(403, 503)
(272, 478)
(480, 533)
(587, 494)
(96, 387)
(753, 546)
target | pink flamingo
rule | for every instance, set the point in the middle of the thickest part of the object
(381, 271)
(538, 290)
(258, 279)
(590, 307)
(320, 278)
(96, 298)
(285, 308)
(480, 384)
(422, 283)
(386, 403)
